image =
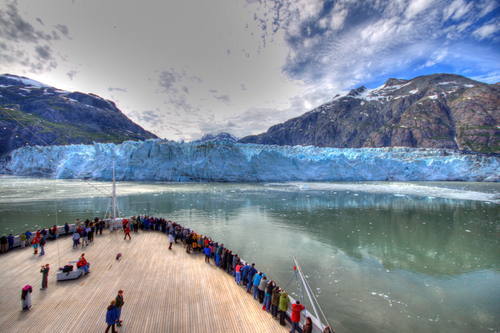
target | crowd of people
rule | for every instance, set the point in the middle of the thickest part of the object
(82, 236)
(273, 298)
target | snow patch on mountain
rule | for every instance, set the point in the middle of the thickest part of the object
(23, 80)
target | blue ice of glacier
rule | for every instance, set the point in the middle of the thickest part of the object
(236, 162)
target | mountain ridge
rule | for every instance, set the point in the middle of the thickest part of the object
(431, 111)
(33, 113)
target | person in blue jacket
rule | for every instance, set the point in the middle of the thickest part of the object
(207, 253)
(111, 317)
(256, 282)
(10, 240)
(244, 274)
(251, 273)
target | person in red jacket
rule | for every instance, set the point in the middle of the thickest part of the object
(297, 308)
(83, 264)
(127, 232)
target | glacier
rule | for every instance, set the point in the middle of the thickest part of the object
(229, 161)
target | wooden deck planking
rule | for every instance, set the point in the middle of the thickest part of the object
(165, 291)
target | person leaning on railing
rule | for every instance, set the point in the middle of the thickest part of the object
(283, 307)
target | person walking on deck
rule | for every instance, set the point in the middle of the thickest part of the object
(42, 246)
(91, 231)
(119, 303)
(111, 317)
(297, 308)
(26, 297)
(85, 237)
(283, 307)
(76, 239)
(256, 282)
(127, 232)
(171, 240)
(45, 274)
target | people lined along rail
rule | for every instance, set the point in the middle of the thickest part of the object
(273, 298)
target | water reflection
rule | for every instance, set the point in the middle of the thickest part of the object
(431, 236)
(380, 262)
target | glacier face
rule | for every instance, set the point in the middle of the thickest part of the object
(237, 162)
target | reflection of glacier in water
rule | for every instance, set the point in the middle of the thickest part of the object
(400, 189)
(381, 263)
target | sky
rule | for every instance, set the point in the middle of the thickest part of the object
(185, 68)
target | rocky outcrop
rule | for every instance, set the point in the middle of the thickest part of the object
(434, 111)
(32, 113)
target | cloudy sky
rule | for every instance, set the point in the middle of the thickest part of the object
(183, 68)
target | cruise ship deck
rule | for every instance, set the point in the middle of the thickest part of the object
(164, 291)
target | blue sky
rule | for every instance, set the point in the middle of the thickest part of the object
(185, 68)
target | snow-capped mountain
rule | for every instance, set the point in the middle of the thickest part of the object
(222, 136)
(237, 162)
(32, 113)
(433, 111)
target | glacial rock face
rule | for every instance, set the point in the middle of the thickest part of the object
(434, 111)
(32, 113)
(237, 162)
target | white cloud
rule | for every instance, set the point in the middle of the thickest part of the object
(436, 57)
(236, 65)
(338, 16)
(491, 78)
(416, 7)
(456, 10)
(486, 31)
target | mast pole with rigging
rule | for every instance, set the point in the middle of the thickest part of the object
(114, 192)
(306, 287)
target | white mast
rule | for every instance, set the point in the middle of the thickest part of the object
(114, 192)
(306, 287)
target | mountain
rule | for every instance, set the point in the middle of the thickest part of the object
(36, 114)
(433, 111)
(222, 136)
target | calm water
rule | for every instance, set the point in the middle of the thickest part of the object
(382, 257)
